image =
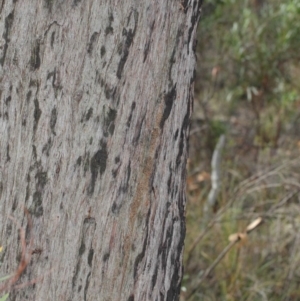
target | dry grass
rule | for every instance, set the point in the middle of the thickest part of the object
(263, 265)
(260, 165)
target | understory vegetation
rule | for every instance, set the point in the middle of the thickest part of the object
(248, 91)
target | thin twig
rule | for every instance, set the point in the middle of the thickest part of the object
(212, 266)
(235, 238)
(25, 255)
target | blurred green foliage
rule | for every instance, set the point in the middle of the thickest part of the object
(248, 87)
(254, 48)
(258, 40)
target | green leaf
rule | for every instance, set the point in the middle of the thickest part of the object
(4, 278)
(4, 297)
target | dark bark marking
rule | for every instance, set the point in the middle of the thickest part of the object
(194, 48)
(148, 43)
(28, 95)
(55, 84)
(98, 164)
(52, 39)
(47, 147)
(181, 146)
(92, 41)
(125, 51)
(165, 245)
(49, 4)
(169, 100)
(185, 5)
(35, 60)
(165, 248)
(138, 131)
(172, 60)
(78, 161)
(128, 178)
(37, 114)
(111, 17)
(87, 283)
(90, 257)
(115, 208)
(81, 249)
(129, 35)
(75, 2)
(14, 205)
(193, 77)
(131, 298)
(7, 153)
(116, 170)
(102, 51)
(33, 83)
(109, 92)
(53, 75)
(141, 255)
(88, 221)
(6, 35)
(42, 179)
(75, 274)
(154, 276)
(120, 47)
(8, 232)
(109, 121)
(36, 208)
(87, 115)
(183, 134)
(53, 120)
(109, 29)
(131, 112)
(170, 180)
(174, 291)
(27, 189)
(105, 257)
(194, 20)
(176, 134)
(34, 154)
(186, 120)
(86, 162)
(124, 187)
(8, 100)
(82, 271)
(146, 49)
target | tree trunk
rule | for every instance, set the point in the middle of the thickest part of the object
(95, 104)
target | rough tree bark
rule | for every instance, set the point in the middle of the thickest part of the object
(95, 104)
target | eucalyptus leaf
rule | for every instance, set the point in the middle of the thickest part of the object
(3, 298)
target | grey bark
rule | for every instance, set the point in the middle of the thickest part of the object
(95, 104)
